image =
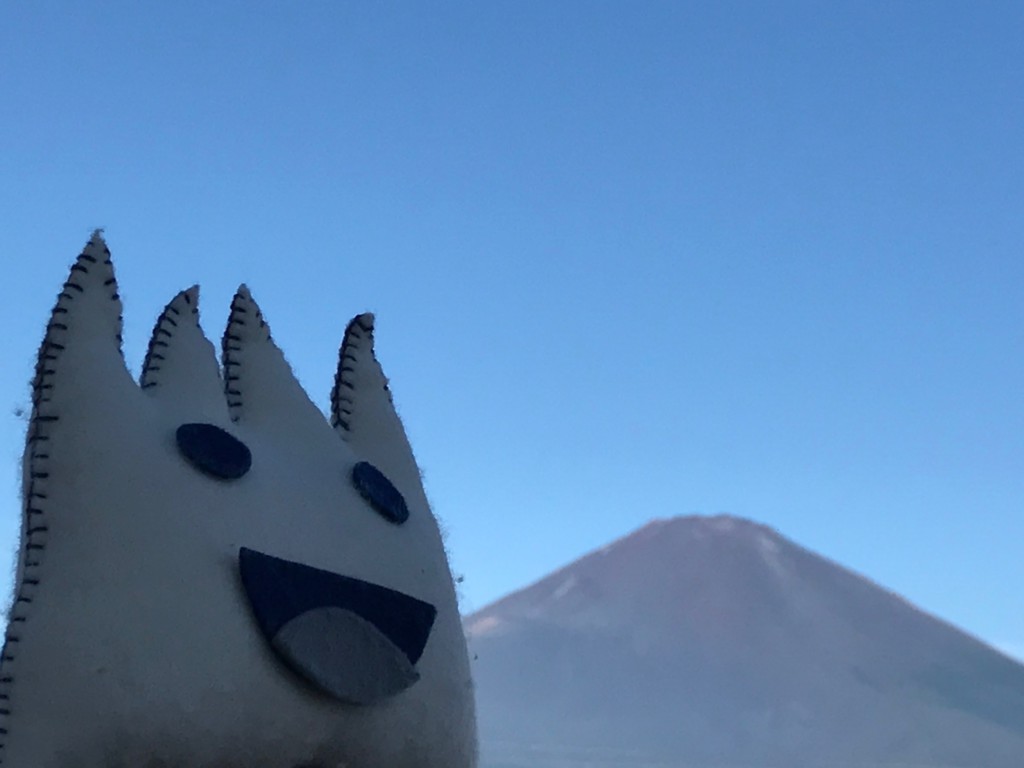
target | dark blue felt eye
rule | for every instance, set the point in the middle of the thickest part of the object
(379, 491)
(214, 451)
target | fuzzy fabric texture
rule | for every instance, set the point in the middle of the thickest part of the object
(136, 639)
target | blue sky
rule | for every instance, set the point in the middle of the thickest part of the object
(629, 260)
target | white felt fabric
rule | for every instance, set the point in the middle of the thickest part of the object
(131, 643)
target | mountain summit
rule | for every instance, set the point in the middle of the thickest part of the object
(714, 641)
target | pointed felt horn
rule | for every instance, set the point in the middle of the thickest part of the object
(80, 382)
(362, 411)
(86, 320)
(180, 369)
(260, 386)
(88, 304)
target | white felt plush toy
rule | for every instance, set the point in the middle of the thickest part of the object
(210, 574)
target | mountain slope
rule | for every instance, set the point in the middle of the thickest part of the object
(715, 641)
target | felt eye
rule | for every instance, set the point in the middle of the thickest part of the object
(214, 451)
(380, 492)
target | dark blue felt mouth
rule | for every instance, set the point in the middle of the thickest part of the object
(356, 640)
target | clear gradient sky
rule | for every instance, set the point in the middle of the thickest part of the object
(629, 260)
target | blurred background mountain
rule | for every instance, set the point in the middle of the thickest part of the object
(701, 641)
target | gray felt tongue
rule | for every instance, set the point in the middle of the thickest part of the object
(345, 655)
(353, 639)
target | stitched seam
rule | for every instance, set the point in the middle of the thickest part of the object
(159, 340)
(343, 403)
(231, 345)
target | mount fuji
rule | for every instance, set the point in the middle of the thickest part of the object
(716, 642)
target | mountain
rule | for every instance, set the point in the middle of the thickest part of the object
(714, 641)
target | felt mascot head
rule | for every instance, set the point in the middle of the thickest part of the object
(211, 575)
